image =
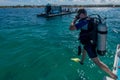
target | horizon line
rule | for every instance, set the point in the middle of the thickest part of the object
(76, 5)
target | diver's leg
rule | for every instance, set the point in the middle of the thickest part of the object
(103, 67)
(83, 55)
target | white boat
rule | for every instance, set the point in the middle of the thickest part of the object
(116, 66)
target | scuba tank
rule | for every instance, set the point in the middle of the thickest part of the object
(102, 37)
(101, 34)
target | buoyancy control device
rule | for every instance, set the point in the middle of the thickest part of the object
(102, 37)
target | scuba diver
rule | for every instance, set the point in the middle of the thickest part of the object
(85, 24)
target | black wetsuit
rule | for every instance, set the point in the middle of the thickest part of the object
(87, 37)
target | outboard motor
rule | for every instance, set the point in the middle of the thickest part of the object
(102, 37)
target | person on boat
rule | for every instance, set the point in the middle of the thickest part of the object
(80, 22)
(48, 9)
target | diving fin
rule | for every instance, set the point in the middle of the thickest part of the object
(75, 59)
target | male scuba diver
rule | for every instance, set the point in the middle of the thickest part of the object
(83, 22)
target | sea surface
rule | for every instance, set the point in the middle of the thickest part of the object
(37, 48)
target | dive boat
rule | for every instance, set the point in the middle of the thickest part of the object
(55, 10)
(116, 66)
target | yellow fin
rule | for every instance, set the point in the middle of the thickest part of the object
(75, 59)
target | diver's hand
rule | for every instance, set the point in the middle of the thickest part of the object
(77, 17)
(74, 20)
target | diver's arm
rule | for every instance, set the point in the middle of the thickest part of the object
(72, 26)
(83, 56)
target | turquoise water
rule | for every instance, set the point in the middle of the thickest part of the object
(33, 48)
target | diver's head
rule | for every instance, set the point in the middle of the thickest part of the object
(82, 13)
